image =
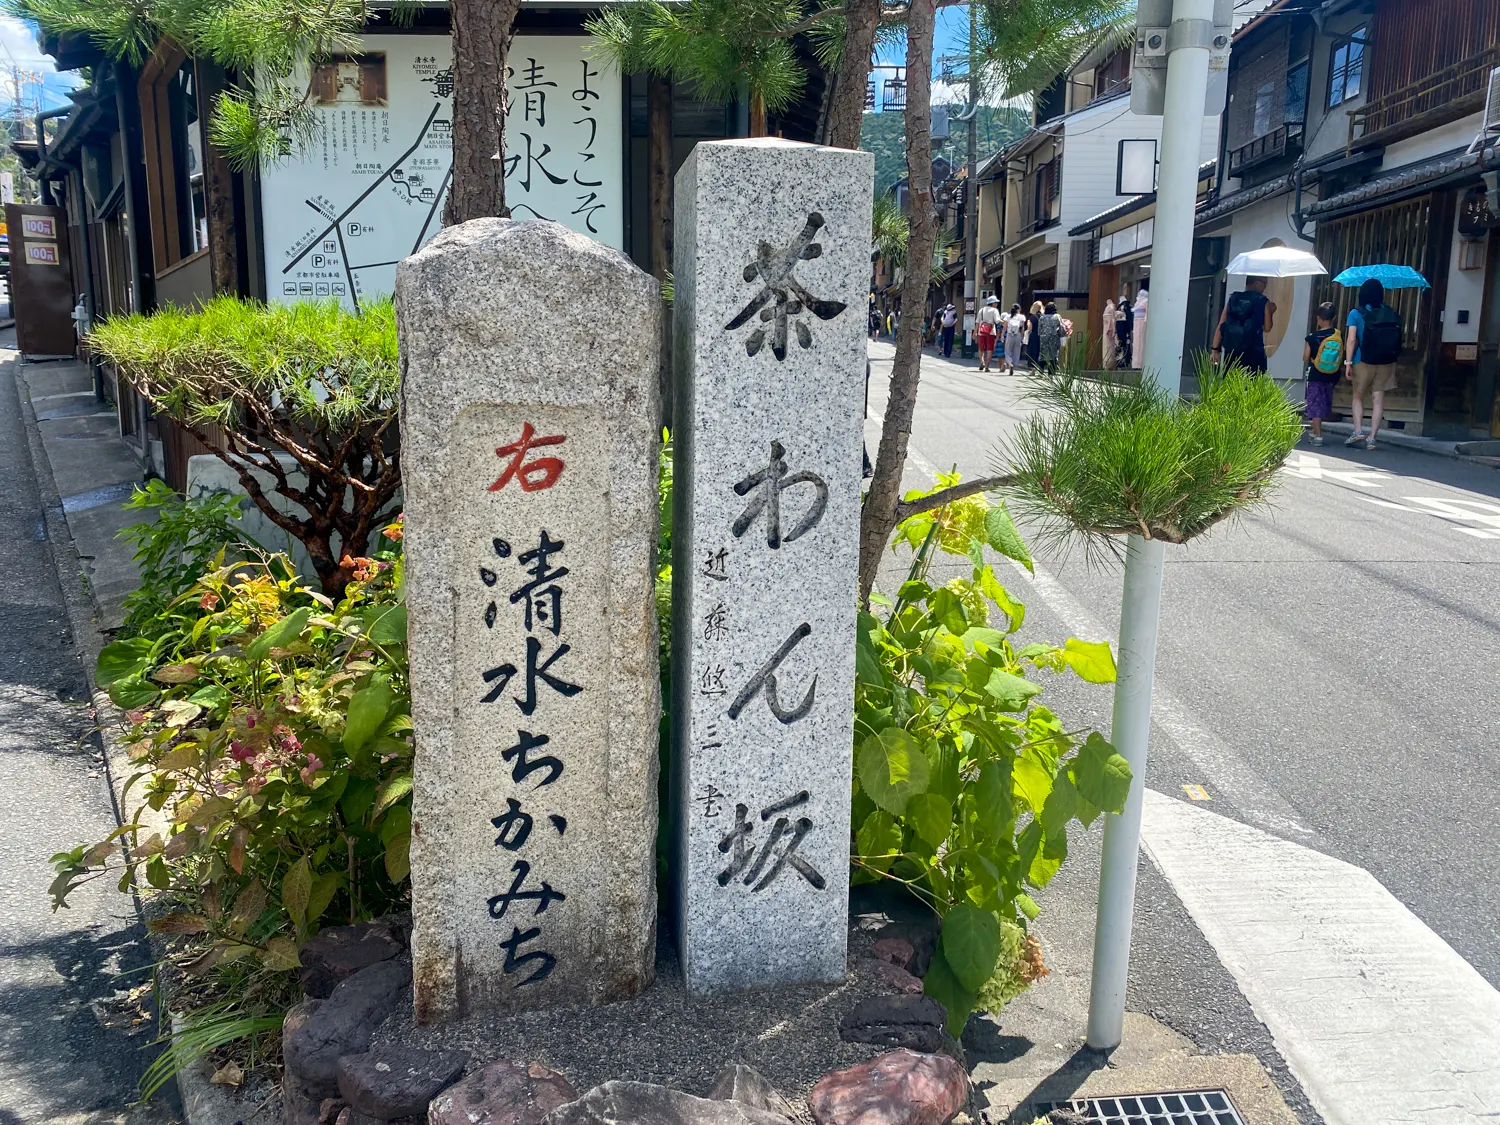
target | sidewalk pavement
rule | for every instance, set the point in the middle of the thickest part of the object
(95, 471)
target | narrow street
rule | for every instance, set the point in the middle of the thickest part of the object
(1326, 675)
(71, 1049)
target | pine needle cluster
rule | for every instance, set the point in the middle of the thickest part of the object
(716, 47)
(1024, 44)
(269, 44)
(1103, 460)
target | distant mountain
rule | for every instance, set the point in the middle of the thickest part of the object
(884, 134)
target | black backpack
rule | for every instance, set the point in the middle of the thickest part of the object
(1239, 331)
(1381, 340)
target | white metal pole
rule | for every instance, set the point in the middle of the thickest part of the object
(1171, 261)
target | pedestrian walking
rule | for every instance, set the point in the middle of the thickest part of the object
(1372, 346)
(1323, 357)
(1243, 323)
(949, 317)
(987, 331)
(1033, 336)
(1109, 341)
(1051, 331)
(1015, 338)
(1138, 328)
(875, 319)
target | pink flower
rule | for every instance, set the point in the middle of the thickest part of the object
(313, 766)
(137, 717)
(239, 751)
(250, 721)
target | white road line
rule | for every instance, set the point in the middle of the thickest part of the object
(1217, 764)
(1378, 1017)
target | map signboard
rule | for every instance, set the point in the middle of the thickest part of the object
(369, 187)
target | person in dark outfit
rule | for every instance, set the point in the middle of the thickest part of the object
(1034, 336)
(1243, 325)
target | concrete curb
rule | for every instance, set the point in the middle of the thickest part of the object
(197, 1096)
(1399, 440)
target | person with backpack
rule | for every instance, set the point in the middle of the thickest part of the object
(1371, 350)
(1323, 356)
(1243, 325)
(949, 317)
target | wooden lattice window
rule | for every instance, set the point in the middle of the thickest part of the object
(1394, 235)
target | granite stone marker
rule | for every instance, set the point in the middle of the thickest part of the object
(772, 260)
(530, 428)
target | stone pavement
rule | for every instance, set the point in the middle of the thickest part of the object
(74, 1035)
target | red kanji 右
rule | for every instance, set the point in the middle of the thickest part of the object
(540, 473)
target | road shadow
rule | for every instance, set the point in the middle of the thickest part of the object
(1061, 1085)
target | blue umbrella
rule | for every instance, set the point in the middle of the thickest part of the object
(1392, 277)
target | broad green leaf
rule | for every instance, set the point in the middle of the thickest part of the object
(133, 692)
(389, 628)
(948, 608)
(211, 698)
(1047, 861)
(892, 769)
(1001, 532)
(914, 591)
(1062, 804)
(992, 639)
(120, 659)
(1102, 776)
(1032, 782)
(1010, 692)
(280, 955)
(1027, 906)
(249, 905)
(867, 666)
(395, 823)
(398, 859)
(1092, 660)
(943, 985)
(991, 588)
(367, 710)
(324, 887)
(976, 553)
(279, 635)
(971, 944)
(879, 840)
(296, 889)
(942, 762)
(931, 816)
(993, 800)
(358, 796)
(392, 791)
(1029, 844)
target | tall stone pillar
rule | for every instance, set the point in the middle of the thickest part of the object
(530, 429)
(772, 257)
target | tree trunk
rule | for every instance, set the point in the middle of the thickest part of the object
(757, 114)
(846, 117)
(659, 172)
(878, 519)
(481, 43)
(218, 189)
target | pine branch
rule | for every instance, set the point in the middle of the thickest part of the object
(908, 508)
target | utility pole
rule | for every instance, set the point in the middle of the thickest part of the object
(971, 193)
(1189, 41)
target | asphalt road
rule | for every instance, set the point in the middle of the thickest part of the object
(1326, 672)
(68, 1051)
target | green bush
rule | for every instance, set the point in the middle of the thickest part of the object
(1102, 460)
(271, 727)
(257, 382)
(965, 785)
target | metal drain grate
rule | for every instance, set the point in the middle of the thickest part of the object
(1184, 1107)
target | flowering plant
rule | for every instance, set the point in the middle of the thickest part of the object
(271, 727)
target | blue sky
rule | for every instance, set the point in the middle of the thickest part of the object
(952, 34)
(19, 49)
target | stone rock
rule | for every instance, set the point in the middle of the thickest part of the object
(746, 1085)
(339, 952)
(394, 1081)
(344, 1023)
(302, 1100)
(769, 397)
(921, 936)
(618, 1103)
(328, 1111)
(893, 977)
(529, 426)
(351, 1116)
(913, 1022)
(896, 1088)
(503, 1093)
(895, 951)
